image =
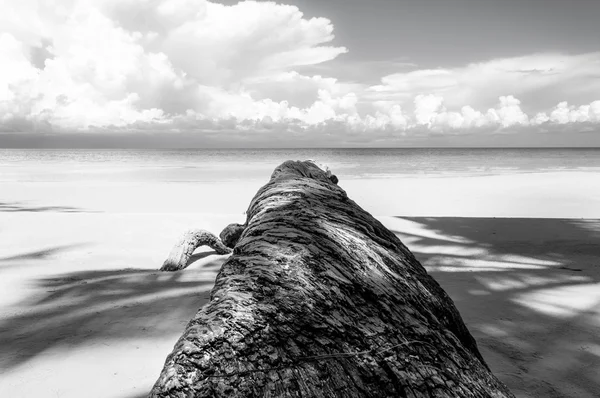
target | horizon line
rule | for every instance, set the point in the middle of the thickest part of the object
(298, 148)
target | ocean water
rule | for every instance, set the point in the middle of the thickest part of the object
(213, 165)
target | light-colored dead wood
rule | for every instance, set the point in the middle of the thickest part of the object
(182, 251)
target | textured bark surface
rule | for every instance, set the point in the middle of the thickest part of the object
(182, 251)
(231, 234)
(319, 299)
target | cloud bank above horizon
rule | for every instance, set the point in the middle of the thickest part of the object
(202, 67)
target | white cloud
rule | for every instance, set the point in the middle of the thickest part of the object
(430, 111)
(297, 89)
(397, 118)
(427, 108)
(78, 65)
(563, 113)
(15, 68)
(115, 62)
(480, 84)
(509, 113)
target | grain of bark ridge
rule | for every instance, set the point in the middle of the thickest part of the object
(319, 299)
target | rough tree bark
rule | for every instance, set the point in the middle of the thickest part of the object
(319, 299)
(182, 251)
(231, 234)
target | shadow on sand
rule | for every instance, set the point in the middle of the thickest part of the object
(13, 207)
(526, 289)
(37, 254)
(103, 305)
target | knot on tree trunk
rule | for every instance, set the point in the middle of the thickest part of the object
(231, 234)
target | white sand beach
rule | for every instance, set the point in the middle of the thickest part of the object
(80, 286)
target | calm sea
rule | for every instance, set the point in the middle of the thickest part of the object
(227, 164)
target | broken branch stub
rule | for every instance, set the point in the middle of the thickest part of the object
(182, 251)
(231, 234)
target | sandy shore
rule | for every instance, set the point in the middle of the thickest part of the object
(529, 195)
(84, 312)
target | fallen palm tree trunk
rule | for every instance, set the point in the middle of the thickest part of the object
(319, 299)
(182, 251)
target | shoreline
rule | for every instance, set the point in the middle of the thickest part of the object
(535, 195)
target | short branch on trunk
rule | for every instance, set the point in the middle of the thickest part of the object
(231, 234)
(184, 248)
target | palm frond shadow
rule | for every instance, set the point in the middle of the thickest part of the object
(38, 254)
(14, 207)
(509, 305)
(74, 308)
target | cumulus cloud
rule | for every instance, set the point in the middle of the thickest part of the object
(563, 113)
(431, 113)
(194, 65)
(530, 78)
(115, 62)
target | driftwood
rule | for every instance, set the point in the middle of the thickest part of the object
(182, 251)
(319, 299)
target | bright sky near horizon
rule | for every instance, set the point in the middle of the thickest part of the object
(305, 73)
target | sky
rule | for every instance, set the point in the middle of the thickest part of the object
(302, 73)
